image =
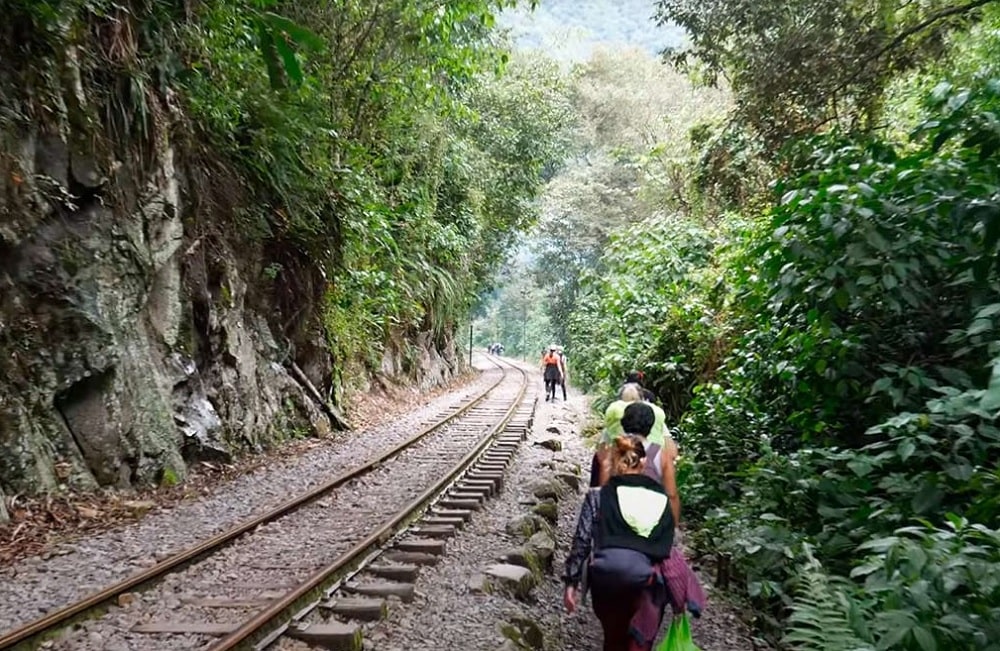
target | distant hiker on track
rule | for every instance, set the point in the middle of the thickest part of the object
(552, 373)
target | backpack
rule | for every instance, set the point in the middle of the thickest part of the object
(620, 560)
(653, 469)
(618, 568)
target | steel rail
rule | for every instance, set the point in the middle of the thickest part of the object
(289, 605)
(23, 636)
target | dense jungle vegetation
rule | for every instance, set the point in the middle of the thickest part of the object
(793, 226)
(806, 267)
(390, 149)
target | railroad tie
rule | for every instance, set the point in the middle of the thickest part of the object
(406, 572)
(462, 514)
(474, 480)
(215, 629)
(496, 478)
(484, 490)
(405, 591)
(364, 609)
(334, 635)
(435, 531)
(421, 545)
(416, 558)
(209, 602)
(465, 504)
(437, 521)
(456, 494)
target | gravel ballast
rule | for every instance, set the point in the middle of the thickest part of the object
(37, 585)
(450, 613)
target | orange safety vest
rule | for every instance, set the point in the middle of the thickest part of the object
(550, 359)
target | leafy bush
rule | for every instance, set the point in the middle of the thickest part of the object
(648, 305)
(839, 420)
(400, 168)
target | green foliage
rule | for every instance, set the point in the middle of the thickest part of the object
(798, 65)
(825, 616)
(833, 371)
(649, 305)
(633, 116)
(382, 157)
(937, 587)
(401, 167)
(856, 400)
(514, 316)
(170, 477)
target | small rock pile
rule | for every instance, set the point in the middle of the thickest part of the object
(522, 567)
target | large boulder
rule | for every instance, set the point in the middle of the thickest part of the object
(571, 480)
(543, 546)
(551, 444)
(547, 489)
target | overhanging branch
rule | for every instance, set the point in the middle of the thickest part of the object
(927, 22)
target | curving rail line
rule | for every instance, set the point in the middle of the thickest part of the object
(31, 634)
(269, 624)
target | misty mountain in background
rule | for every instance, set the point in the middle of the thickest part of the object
(570, 30)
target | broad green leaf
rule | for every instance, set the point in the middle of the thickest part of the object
(291, 63)
(906, 449)
(926, 499)
(988, 311)
(860, 467)
(924, 638)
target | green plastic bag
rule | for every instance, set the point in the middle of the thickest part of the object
(678, 638)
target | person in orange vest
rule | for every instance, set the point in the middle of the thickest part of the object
(552, 372)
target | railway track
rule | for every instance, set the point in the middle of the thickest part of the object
(250, 584)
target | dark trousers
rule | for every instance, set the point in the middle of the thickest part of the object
(615, 611)
(595, 472)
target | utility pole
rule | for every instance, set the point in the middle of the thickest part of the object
(524, 325)
(470, 344)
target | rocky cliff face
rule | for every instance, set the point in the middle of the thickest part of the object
(132, 339)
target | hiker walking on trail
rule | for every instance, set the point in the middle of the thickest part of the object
(637, 378)
(638, 419)
(623, 548)
(628, 393)
(552, 372)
